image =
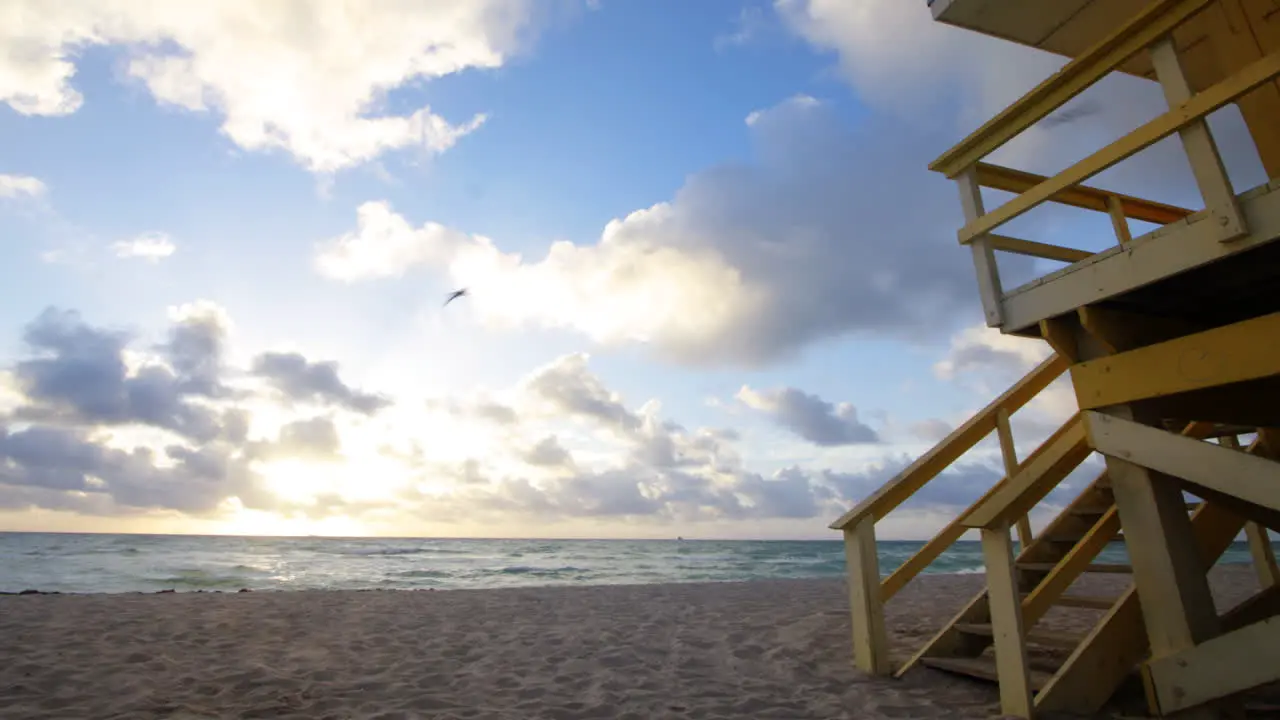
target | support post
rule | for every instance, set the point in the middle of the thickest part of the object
(870, 641)
(1264, 558)
(984, 256)
(1010, 455)
(1197, 142)
(1119, 222)
(1012, 668)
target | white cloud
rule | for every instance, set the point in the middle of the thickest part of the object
(745, 265)
(309, 78)
(152, 247)
(21, 186)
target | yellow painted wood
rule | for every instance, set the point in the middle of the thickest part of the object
(1150, 258)
(1241, 475)
(870, 641)
(1061, 337)
(1216, 668)
(1010, 456)
(1037, 249)
(1065, 450)
(1119, 642)
(1197, 142)
(1243, 351)
(985, 267)
(1198, 107)
(1119, 222)
(927, 466)
(1077, 561)
(1006, 623)
(1121, 331)
(1264, 557)
(1157, 19)
(1085, 197)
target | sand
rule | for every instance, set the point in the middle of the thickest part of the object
(776, 649)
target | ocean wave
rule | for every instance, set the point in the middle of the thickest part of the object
(199, 578)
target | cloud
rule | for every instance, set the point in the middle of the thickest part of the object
(548, 452)
(748, 24)
(152, 247)
(21, 186)
(809, 416)
(314, 438)
(774, 255)
(302, 380)
(307, 78)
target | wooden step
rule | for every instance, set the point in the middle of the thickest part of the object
(1050, 638)
(1091, 568)
(982, 668)
(1091, 602)
(1073, 539)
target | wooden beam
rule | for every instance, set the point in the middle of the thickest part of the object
(927, 466)
(1077, 560)
(998, 177)
(1037, 249)
(990, 289)
(1221, 356)
(1248, 477)
(1219, 667)
(1119, 223)
(1206, 164)
(1156, 20)
(1061, 337)
(1264, 557)
(1120, 330)
(1065, 450)
(1006, 623)
(1194, 109)
(1262, 605)
(1119, 642)
(1150, 258)
(1009, 454)
(870, 641)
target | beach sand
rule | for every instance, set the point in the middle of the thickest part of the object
(772, 649)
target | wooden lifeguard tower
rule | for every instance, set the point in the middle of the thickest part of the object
(1172, 342)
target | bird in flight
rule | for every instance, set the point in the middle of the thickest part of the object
(455, 295)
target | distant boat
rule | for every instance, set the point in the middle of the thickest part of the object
(678, 538)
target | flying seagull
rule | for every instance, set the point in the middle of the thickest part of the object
(455, 295)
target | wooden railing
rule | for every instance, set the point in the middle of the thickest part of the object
(867, 591)
(1150, 30)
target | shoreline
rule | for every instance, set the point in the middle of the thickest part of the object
(774, 648)
(554, 586)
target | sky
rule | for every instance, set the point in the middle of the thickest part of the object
(713, 290)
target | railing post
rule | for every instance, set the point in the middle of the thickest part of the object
(1119, 221)
(870, 641)
(1010, 455)
(1202, 152)
(984, 256)
(1006, 622)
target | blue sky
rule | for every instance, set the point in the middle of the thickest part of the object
(724, 206)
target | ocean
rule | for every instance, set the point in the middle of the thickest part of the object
(74, 563)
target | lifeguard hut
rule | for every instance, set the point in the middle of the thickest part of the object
(1172, 343)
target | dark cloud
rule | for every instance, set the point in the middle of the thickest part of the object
(302, 380)
(195, 349)
(79, 375)
(314, 438)
(810, 417)
(569, 387)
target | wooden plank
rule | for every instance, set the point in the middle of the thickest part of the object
(1119, 223)
(1085, 197)
(1248, 477)
(1049, 638)
(1155, 256)
(1230, 354)
(1264, 557)
(1006, 622)
(1263, 605)
(949, 642)
(1120, 330)
(1089, 602)
(1169, 567)
(1065, 572)
(870, 641)
(1157, 19)
(1107, 568)
(1196, 108)
(1197, 142)
(1064, 451)
(1236, 42)
(1037, 249)
(1061, 336)
(985, 267)
(927, 466)
(1119, 641)
(1009, 455)
(1218, 667)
